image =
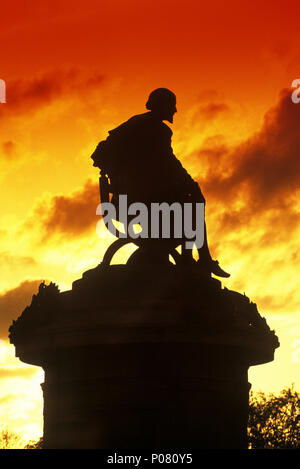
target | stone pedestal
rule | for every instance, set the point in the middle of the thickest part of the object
(138, 358)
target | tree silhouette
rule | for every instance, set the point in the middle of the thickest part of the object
(10, 440)
(274, 421)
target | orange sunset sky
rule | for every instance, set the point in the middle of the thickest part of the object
(73, 71)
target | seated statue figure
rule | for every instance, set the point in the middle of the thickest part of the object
(139, 160)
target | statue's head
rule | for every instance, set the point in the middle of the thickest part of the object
(162, 102)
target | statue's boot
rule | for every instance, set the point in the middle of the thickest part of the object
(210, 266)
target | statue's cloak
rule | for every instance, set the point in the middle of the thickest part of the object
(138, 157)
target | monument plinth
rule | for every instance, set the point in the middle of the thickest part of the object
(144, 358)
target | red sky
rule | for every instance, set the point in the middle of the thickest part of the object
(76, 70)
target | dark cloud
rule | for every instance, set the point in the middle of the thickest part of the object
(70, 215)
(13, 302)
(266, 167)
(24, 95)
(252, 191)
(208, 107)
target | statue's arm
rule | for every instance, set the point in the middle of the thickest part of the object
(185, 178)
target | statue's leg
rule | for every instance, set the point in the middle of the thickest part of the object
(206, 263)
(204, 250)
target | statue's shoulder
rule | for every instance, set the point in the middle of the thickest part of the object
(140, 123)
(152, 127)
(131, 124)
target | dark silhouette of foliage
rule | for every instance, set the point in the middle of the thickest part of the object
(274, 423)
(35, 444)
(274, 420)
(10, 440)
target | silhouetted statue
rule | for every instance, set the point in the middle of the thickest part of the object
(136, 327)
(140, 162)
